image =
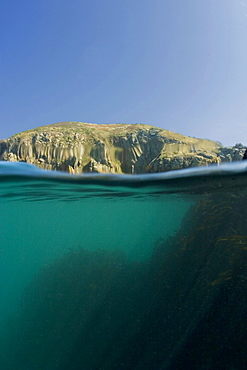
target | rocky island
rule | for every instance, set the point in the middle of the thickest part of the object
(78, 147)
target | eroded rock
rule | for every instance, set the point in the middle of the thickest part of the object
(78, 147)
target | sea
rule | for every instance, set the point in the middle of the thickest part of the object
(132, 272)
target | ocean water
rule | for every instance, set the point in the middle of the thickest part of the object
(142, 272)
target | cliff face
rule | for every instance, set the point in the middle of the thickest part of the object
(79, 147)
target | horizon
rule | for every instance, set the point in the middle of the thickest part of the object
(173, 65)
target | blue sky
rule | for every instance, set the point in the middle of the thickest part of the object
(176, 64)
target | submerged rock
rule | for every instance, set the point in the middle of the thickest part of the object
(78, 147)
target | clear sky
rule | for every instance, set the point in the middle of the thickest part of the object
(176, 64)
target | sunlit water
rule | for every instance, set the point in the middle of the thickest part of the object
(123, 272)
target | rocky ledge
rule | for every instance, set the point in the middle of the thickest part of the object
(79, 147)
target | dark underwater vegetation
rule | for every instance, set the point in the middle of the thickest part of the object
(182, 309)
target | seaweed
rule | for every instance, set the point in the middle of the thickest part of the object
(185, 307)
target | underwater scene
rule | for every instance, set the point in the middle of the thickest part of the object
(132, 272)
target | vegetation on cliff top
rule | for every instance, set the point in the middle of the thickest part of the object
(106, 131)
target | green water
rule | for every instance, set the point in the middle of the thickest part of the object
(111, 273)
(34, 234)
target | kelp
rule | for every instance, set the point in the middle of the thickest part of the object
(183, 308)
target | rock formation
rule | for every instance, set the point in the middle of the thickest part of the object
(78, 147)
